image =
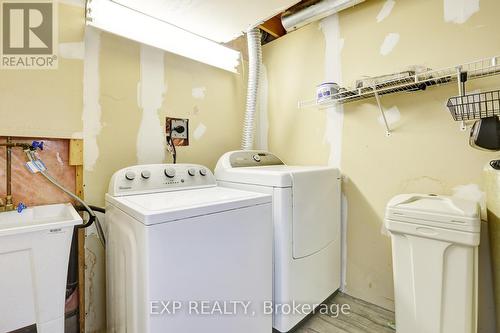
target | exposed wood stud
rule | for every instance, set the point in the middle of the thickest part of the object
(76, 152)
(76, 159)
(274, 27)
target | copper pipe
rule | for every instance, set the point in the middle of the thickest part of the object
(9, 205)
(23, 146)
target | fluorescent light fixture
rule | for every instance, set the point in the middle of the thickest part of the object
(123, 21)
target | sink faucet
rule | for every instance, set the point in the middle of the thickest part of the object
(8, 204)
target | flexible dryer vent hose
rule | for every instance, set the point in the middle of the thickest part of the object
(254, 64)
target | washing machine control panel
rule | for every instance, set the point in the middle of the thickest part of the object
(153, 178)
(253, 158)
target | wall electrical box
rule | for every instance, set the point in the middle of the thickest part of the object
(177, 129)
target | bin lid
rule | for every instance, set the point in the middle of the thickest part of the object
(436, 210)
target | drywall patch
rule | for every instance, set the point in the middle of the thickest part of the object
(91, 108)
(262, 119)
(390, 42)
(195, 111)
(341, 46)
(386, 10)
(199, 131)
(150, 91)
(333, 73)
(392, 116)
(459, 11)
(333, 134)
(335, 117)
(72, 50)
(198, 92)
(471, 192)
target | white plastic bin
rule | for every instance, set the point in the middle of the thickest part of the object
(435, 255)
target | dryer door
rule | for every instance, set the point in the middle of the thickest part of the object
(316, 210)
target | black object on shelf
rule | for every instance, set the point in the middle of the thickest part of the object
(485, 134)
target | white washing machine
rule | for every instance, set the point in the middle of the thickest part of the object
(185, 255)
(306, 214)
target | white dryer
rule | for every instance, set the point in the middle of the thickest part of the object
(185, 255)
(306, 214)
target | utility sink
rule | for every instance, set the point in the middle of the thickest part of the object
(34, 254)
(38, 218)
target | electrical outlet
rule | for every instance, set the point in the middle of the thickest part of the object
(180, 127)
(179, 132)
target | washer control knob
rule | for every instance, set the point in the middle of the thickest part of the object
(170, 172)
(256, 158)
(203, 172)
(191, 171)
(130, 175)
(146, 174)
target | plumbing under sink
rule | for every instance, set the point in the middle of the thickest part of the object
(34, 254)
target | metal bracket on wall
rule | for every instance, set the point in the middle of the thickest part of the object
(382, 112)
(461, 79)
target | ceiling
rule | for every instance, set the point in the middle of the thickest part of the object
(218, 20)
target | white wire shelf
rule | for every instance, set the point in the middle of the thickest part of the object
(407, 82)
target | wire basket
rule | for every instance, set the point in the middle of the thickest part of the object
(475, 106)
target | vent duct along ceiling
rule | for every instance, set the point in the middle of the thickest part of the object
(314, 10)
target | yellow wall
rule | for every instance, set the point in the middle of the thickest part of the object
(426, 153)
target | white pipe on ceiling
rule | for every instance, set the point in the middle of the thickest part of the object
(315, 12)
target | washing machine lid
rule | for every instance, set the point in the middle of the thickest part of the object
(154, 208)
(434, 210)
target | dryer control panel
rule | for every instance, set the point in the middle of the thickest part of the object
(153, 178)
(252, 158)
